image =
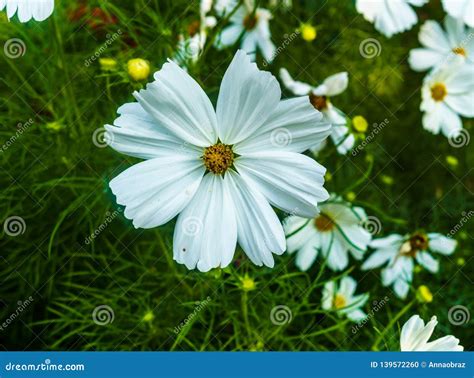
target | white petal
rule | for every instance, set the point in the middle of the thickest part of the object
(462, 104)
(401, 288)
(247, 98)
(297, 87)
(177, 102)
(294, 126)
(205, 234)
(229, 35)
(356, 315)
(308, 253)
(391, 241)
(441, 244)
(156, 190)
(267, 47)
(347, 286)
(298, 231)
(424, 59)
(291, 182)
(409, 334)
(338, 256)
(136, 133)
(259, 230)
(329, 291)
(335, 84)
(432, 36)
(427, 261)
(378, 258)
(444, 344)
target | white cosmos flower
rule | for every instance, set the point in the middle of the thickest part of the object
(190, 47)
(342, 299)
(439, 46)
(415, 335)
(253, 25)
(39, 10)
(390, 16)
(319, 96)
(218, 169)
(399, 254)
(447, 93)
(337, 230)
(461, 9)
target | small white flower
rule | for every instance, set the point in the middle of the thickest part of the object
(342, 299)
(390, 16)
(319, 97)
(218, 169)
(190, 47)
(254, 27)
(440, 46)
(460, 9)
(39, 10)
(335, 231)
(399, 253)
(447, 93)
(415, 335)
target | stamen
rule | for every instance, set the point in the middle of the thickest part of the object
(218, 158)
(250, 21)
(193, 28)
(438, 91)
(417, 242)
(323, 223)
(459, 51)
(339, 301)
(319, 102)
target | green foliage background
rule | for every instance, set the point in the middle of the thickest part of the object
(56, 179)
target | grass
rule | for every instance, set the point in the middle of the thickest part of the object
(56, 179)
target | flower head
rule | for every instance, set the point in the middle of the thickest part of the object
(218, 170)
(415, 335)
(138, 69)
(308, 32)
(26, 10)
(341, 298)
(460, 9)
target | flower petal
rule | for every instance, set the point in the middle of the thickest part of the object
(307, 253)
(427, 261)
(378, 258)
(205, 235)
(444, 344)
(441, 244)
(296, 87)
(347, 286)
(409, 334)
(247, 98)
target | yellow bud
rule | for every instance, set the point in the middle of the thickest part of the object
(138, 69)
(149, 316)
(107, 64)
(248, 284)
(360, 124)
(308, 32)
(460, 261)
(452, 161)
(424, 294)
(351, 196)
(417, 269)
(387, 180)
(328, 176)
(54, 126)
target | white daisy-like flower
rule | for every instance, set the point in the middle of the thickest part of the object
(447, 93)
(342, 299)
(399, 253)
(190, 47)
(26, 10)
(218, 169)
(337, 230)
(253, 25)
(460, 9)
(439, 46)
(390, 16)
(319, 96)
(415, 335)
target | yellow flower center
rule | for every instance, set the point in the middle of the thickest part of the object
(339, 301)
(250, 21)
(417, 242)
(218, 158)
(308, 32)
(459, 51)
(424, 294)
(360, 124)
(319, 102)
(438, 91)
(323, 223)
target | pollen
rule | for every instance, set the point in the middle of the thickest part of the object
(319, 102)
(339, 301)
(323, 223)
(250, 21)
(438, 91)
(459, 51)
(218, 158)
